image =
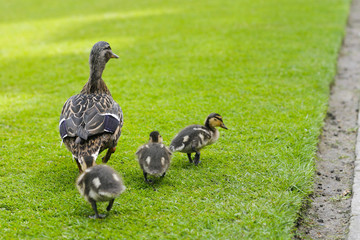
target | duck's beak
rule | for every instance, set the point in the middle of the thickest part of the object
(113, 55)
(223, 126)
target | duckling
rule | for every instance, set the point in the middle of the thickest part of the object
(154, 157)
(194, 137)
(91, 121)
(100, 183)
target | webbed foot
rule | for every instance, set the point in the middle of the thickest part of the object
(99, 216)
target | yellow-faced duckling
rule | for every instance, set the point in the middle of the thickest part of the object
(154, 157)
(100, 183)
(91, 121)
(195, 137)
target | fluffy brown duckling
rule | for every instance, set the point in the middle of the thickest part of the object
(194, 137)
(91, 121)
(100, 183)
(154, 157)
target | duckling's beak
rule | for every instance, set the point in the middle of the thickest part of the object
(113, 55)
(223, 126)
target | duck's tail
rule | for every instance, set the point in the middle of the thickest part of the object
(85, 153)
(172, 148)
(87, 161)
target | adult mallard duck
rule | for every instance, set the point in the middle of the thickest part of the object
(195, 137)
(154, 157)
(91, 121)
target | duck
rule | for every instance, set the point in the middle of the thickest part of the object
(100, 183)
(154, 157)
(91, 121)
(193, 138)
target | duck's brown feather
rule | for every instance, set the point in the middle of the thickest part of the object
(86, 115)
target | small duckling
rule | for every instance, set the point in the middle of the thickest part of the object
(195, 137)
(154, 157)
(100, 183)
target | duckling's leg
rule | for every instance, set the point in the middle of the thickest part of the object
(197, 154)
(145, 177)
(111, 202)
(163, 175)
(110, 151)
(197, 158)
(189, 157)
(94, 207)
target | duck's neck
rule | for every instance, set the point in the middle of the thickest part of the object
(95, 84)
(207, 124)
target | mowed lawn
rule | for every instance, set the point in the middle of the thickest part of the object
(264, 65)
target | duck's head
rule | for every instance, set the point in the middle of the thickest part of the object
(101, 53)
(215, 120)
(155, 137)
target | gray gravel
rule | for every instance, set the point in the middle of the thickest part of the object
(327, 216)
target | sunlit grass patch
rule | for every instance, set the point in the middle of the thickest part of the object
(265, 66)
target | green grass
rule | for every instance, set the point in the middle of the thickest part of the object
(264, 65)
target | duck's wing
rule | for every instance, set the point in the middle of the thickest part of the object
(141, 150)
(192, 135)
(86, 115)
(167, 150)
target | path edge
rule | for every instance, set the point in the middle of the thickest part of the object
(354, 227)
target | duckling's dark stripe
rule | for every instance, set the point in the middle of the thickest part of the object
(219, 119)
(110, 123)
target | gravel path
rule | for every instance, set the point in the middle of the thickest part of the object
(327, 215)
